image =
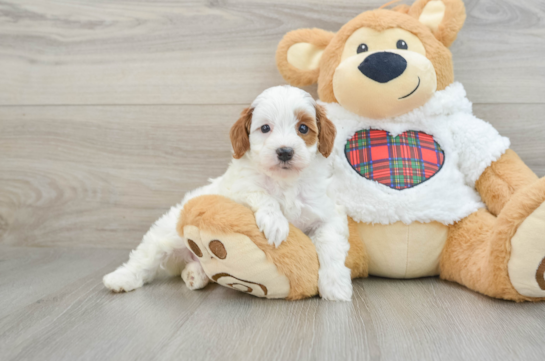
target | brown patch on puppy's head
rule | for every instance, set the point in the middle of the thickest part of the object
(320, 130)
(311, 137)
(240, 133)
(326, 136)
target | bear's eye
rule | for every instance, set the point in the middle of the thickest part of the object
(303, 129)
(265, 128)
(362, 48)
(401, 44)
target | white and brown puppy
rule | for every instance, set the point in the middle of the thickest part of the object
(280, 171)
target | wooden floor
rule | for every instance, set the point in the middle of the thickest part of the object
(111, 109)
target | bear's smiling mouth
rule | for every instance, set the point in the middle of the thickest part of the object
(403, 97)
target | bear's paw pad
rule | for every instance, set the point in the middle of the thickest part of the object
(527, 263)
(234, 261)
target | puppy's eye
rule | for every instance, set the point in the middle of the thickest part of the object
(265, 128)
(401, 44)
(303, 129)
(362, 48)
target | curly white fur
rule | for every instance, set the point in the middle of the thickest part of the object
(470, 145)
(278, 192)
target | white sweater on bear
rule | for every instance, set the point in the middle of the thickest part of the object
(469, 145)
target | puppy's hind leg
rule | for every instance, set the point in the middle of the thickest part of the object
(194, 276)
(158, 243)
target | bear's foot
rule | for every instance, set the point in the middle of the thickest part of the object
(234, 261)
(224, 237)
(523, 220)
(527, 263)
(501, 256)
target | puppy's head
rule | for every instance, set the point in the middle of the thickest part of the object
(282, 131)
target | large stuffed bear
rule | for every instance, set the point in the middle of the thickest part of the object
(429, 188)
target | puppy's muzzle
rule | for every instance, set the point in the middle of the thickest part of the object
(285, 154)
(383, 66)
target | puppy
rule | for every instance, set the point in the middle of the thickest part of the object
(280, 171)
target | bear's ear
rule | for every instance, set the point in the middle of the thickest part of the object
(444, 18)
(298, 55)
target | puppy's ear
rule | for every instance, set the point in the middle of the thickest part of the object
(327, 132)
(240, 133)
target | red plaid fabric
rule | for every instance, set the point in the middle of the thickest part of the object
(398, 162)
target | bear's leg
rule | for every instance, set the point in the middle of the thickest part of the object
(502, 179)
(501, 256)
(233, 252)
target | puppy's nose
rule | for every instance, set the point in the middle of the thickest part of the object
(383, 67)
(285, 154)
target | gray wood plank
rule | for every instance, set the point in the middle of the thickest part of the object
(75, 318)
(102, 175)
(428, 319)
(219, 52)
(85, 179)
(98, 176)
(28, 274)
(424, 319)
(243, 328)
(78, 319)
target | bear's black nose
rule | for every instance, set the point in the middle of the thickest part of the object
(285, 154)
(383, 67)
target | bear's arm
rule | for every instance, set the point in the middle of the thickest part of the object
(501, 179)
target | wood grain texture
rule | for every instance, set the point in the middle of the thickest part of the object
(110, 110)
(28, 274)
(99, 176)
(79, 319)
(222, 52)
(71, 316)
(102, 175)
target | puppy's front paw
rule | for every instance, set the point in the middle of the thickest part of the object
(335, 286)
(122, 280)
(275, 226)
(194, 276)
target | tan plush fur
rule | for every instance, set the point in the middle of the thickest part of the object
(479, 247)
(403, 8)
(453, 20)
(296, 258)
(380, 20)
(357, 259)
(500, 181)
(294, 76)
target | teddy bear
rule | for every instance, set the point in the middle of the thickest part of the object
(429, 189)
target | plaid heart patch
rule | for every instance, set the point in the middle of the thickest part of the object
(398, 162)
